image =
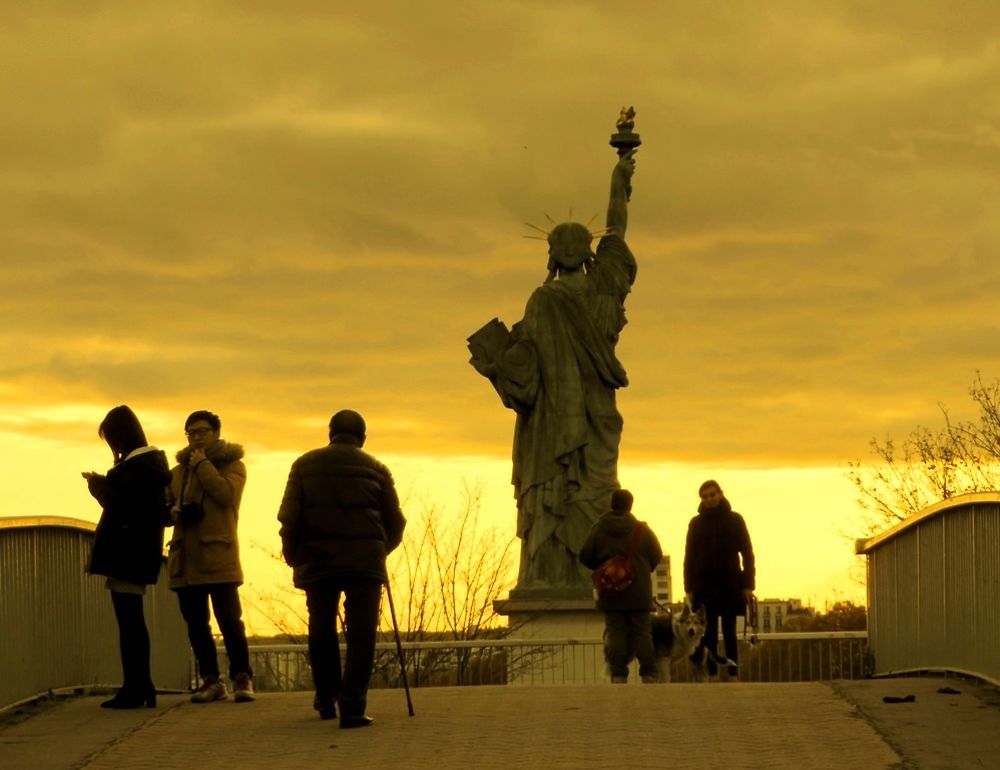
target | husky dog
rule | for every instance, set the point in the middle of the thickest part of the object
(676, 638)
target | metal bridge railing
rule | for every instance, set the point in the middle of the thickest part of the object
(777, 657)
(934, 590)
(57, 625)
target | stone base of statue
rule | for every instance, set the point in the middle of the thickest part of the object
(560, 633)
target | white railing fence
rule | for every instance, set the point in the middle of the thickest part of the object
(778, 657)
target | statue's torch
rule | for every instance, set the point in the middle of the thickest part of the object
(625, 139)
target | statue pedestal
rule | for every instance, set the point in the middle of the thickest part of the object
(561, 633)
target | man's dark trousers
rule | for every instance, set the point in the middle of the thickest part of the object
(628, 635)
(228, 614)
(361, 611)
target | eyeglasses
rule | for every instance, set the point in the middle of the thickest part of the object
(198, 432)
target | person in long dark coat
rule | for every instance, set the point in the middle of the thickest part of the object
(128, 543)
(719, 571)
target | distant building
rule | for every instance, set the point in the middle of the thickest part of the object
(662, 589)
(773, 613)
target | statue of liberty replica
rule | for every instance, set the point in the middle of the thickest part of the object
(557, 370)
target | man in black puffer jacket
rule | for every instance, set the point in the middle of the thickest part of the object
(340, 517)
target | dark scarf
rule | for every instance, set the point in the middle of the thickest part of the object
(220, 453)
(721, 508)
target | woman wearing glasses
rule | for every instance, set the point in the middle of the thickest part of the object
(205, 492)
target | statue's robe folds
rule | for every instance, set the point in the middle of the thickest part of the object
(559, 373)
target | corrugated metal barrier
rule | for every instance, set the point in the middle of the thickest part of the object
(934, 590)
(57, 626)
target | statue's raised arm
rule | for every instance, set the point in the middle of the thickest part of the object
(621, 178)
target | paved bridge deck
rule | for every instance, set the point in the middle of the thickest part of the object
(732, 726)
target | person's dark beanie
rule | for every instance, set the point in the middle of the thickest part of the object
(349, 422)
(621, 501)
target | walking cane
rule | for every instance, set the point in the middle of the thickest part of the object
(399, 648)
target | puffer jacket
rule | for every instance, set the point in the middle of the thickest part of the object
(718, 560)
(609, 537)
(128, 542)
(339, 516)
(207, 552)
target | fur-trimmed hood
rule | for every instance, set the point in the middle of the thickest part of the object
(220, 454)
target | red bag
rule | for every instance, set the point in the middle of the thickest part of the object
(617, 573)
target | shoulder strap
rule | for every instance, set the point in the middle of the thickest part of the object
(634, 540)
(184, 480)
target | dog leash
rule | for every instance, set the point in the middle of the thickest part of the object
(750, 620)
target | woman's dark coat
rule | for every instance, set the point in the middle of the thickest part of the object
(609, 537)
(128, 543)
(717, 540)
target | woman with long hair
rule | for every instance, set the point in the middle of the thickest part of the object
(128, 543)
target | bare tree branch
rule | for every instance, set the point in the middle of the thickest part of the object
(931, 465)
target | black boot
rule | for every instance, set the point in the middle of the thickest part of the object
(133, 642)
(131, 699)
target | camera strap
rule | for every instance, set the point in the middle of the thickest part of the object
(184, 479)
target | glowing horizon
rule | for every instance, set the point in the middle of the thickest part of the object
(803, 551)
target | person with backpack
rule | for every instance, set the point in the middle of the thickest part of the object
(623, 552)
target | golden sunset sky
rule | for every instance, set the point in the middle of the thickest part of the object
(277, 210)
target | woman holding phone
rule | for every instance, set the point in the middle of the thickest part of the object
(128, 543)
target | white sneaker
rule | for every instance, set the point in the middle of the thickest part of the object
(242, 688)
(211, 689)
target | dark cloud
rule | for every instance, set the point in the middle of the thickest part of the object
(277, 211)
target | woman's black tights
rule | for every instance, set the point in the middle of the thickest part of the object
(133, 642)
(711, 640)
